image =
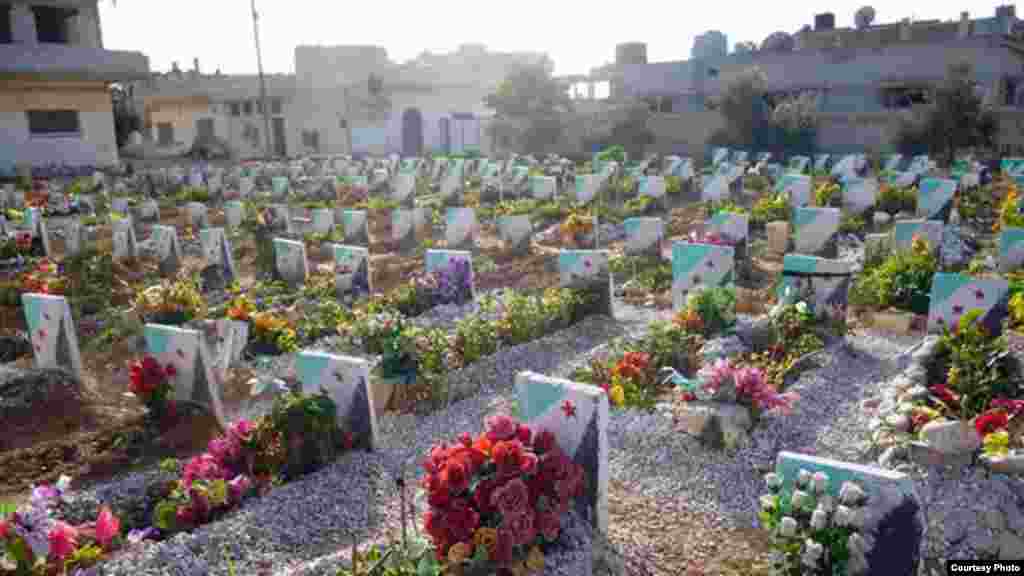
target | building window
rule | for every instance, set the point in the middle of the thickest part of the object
(905, 97)
(53, 122)
(6, 30)
(236, 108)
(247, 107)
(275, 106)
(342, 124)
(51, 24)
(1011, 92)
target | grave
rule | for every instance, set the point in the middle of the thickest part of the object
(732, 227)
(699, 266)
(245, 187)
(822, 284)
(543, 187)
(120, 206)
(587, 271)
(405, 189)
(148, 211)
(75, 239)
(586, 187)
(51, 328)
(453, 185)
(653, 187)
(903, 233)
(233, 212)
(36, 225)
(194, 379)
(797, 187)
(577, 415)
(124, 245)
(894, 524)
(346, 381)
(935, 199)
(1011, 249)
(355, 226)
(197, 215)
(435, 260)
(218, 258)
(279, 186)
(954, 295)
(821, 162)
(290, 261)
(815, 231)
(516, 232)
(351, 272)
(715, 188)
(282, 218)
(323, 220)
(644, 236)
(859, 194)
(167, 249)
(798, 164)
(403, 230)
(461, 229)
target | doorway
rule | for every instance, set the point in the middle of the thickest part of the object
(412, 132)
(280, 147)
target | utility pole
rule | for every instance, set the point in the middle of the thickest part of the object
(263, 84)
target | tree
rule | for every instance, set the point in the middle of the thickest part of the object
(632, 133)
(126, 119)
(531, 97)
(958, 119)
(743, 109)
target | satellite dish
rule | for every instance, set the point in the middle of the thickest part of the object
(864, 17)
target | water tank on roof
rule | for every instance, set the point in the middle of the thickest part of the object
(711, 44)
(825, 21)
(631, 53)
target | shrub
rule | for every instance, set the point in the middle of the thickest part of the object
(1010, 215)
(828, 194)
(893, 199)
(172, 302)
(709, 312)
(770, 208)
(902, 281)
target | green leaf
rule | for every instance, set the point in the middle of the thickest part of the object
(428, 566)
(164, 515)
(480, 556)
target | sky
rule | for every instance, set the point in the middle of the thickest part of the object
(577, 35)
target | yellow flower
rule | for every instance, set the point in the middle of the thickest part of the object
(460, 552)
(997, 443)
(486, 537)
(535, 560)
(617, 395)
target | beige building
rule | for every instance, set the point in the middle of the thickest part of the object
(55, 102)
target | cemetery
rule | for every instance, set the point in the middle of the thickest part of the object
(477, 367)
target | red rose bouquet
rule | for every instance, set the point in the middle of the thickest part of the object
(151, 383)
(497, 497)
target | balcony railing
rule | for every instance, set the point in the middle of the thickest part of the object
(73, 61)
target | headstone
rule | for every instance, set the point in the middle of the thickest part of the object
(1011, 249)
(198, 217)
(282, 218)
(544, 188)
(323, 220)
(733, 228)
(279, 186)
(453, 184)
(168, 250)
(719, 155)
(699, 266)
(52, 332)
(859, 194)
(405, 188)
(846, 167)
(195, 178)
(715, 188)
(461, 229)
(894, 524)
(36, 224)
(194, 379)
(577, 415)
(245, 186)
(821, 162)
(516, 232)
(351, 272)
(935, 198)
(654, 187)
(125, 247)
(435, 260)
(588, 271)
(892, 163)
(356, 228)
(233, 212)
(822, 284)
(346, 381)
(954, 295)
(148, 211)
(290, 261)
(644, 236)
(904, 231)
(74, 238)
(798, 188)
(586, 189)
(403, 230)
(815, 231)
(217, 252)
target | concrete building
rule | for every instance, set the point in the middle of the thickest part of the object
(179, 109)
(355, 99)
(866, 77)
(55, 102)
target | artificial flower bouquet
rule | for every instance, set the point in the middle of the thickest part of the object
(576, 224)
(813, 533)
(723, 381)
(36, 541)
(498, 499)
(709, 311)
(241, 309)
(272, 334)
(151, 383)
(171, 302)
